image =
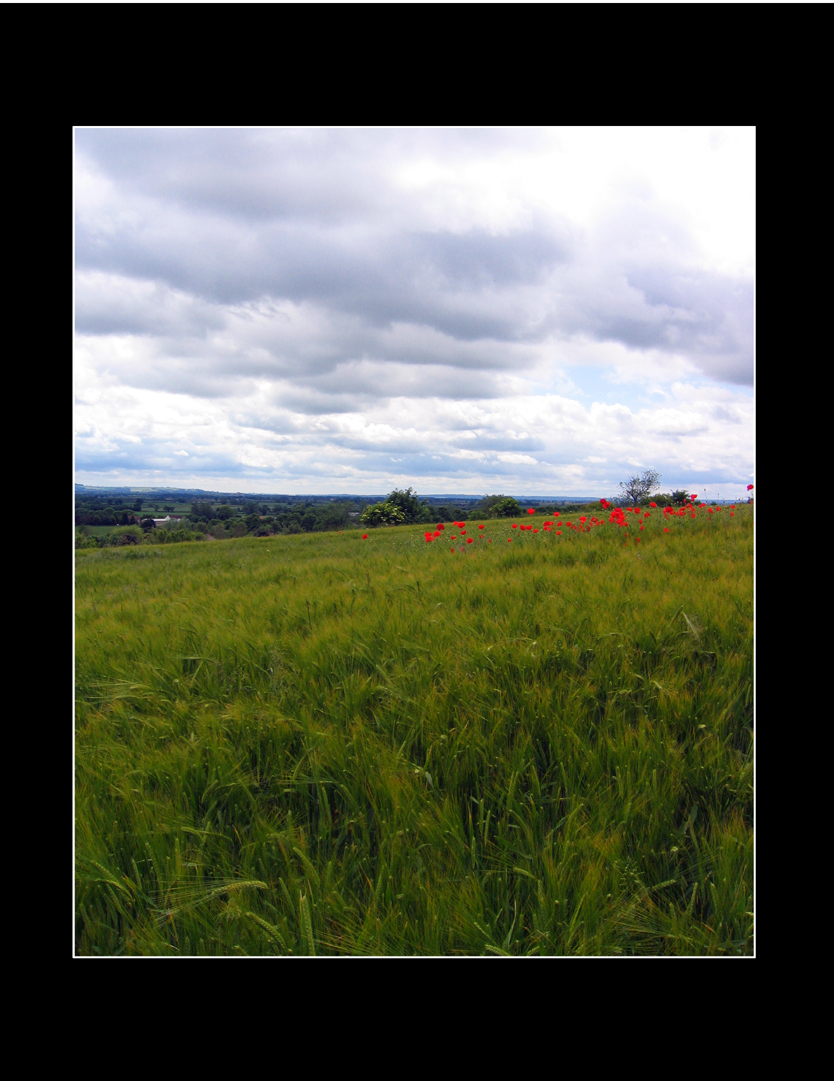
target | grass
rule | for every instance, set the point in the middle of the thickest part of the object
(318, 744)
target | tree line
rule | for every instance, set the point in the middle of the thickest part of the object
(131, 520)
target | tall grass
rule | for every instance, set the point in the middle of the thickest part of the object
(318, 744)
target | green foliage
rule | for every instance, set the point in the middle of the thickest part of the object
(400, 508)
(382, 514)
(319, 744)
(83, 540)
(640, 487)
(173, 536)
(498, 506)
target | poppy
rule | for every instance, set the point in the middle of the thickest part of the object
(462, 532)
(653, 504)
(440, 526)
(364, 536)
(481, 527)
(749, 487)
(530, 510)
(468, 540)
(583, 520)
(515, 526)
(453, 549)
(694, 495)
(666, 529)
(535, 530)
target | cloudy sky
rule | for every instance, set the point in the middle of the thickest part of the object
(523, 311)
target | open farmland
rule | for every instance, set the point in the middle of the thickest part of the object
(538, 743)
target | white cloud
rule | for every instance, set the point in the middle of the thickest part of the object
(312, 311)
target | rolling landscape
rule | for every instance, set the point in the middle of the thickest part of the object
(515, 740)
(413, 543)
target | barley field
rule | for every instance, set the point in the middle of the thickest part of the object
(540, 743)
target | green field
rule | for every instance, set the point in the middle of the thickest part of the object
(323, 744)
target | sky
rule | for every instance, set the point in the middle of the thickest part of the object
(521, 311)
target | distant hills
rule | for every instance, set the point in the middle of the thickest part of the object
(203, 493)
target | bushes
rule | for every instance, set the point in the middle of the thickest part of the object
(400, 508)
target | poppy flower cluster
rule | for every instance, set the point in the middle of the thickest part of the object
(452, 536)
(618, 516)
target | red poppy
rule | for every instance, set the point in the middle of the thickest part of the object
(481, 527)
(515, 526)
(583, 520)
(364, 536)
(749, 487)
(453, 549)
(694, 495)
(535, 530)
(509, 540)
(653, 504)
(531, 510)
(732, 514)
(462, 532)
(558, 532)
(440, 525)
(666, 529)
(468, 540)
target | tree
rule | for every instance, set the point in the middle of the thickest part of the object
(637, 488)
(400, 508)
(382, 514)
(407, 501)
(498, 506)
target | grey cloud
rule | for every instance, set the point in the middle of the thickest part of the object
(299, 258)
(326, 175)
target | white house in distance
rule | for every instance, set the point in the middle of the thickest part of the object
(167, 518)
